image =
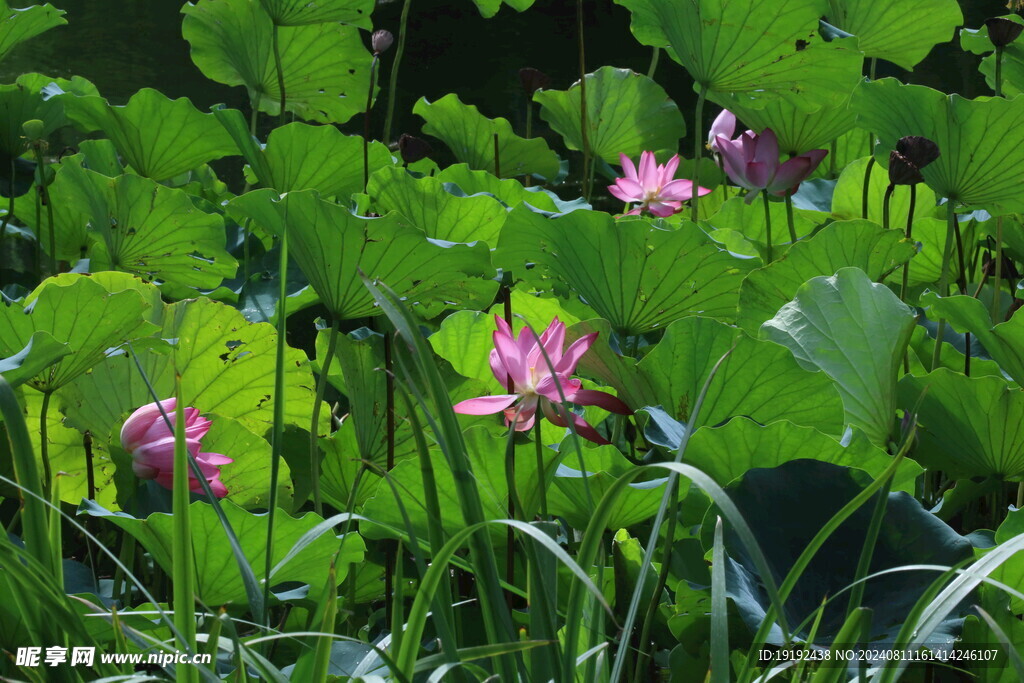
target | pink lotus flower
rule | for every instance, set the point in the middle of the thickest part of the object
(522, 361)
(724, 125)
(752, 161)
(151, 442)
(653, 186)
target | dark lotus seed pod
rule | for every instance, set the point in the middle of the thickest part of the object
(533, 80)
(902, 172)
(381, 41)
(1002, 32)
(413, 148)
(920, 151)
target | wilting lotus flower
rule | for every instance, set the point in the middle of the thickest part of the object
(147, 437)
(724, 125)
(522, 361)
(752, 161)
(653, 186)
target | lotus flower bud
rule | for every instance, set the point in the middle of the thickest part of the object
(33, 129)
(1002, 31)
(902, 172)
(413, 148)
(533, 80)
(381, 41)
(918, 150)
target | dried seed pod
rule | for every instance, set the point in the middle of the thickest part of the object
(902, 172)
(533, 80)
(918, 150)
(413, 148)
(1002, 31)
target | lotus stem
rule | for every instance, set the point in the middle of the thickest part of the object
(277, 441)
(789, 217)
(497, 156)
(767, 228)
(698, 115)
(393, 81)
(366, 122)
(10, 211)
(962, 286)
(39, 233)
(999, 71)
(321, 386)
(906, 266)
(585, 137)
(652, 606)
(280, 74)
(997, 282)
(44, 445)
(885, 205)
(655, 54)
(832, 159)
(867, 184)
(90, 476)
(947, 253)
(542, 479)
(528, 180)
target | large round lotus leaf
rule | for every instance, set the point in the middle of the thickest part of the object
(636, 276)
(858, 243)
(856, 331)
(470, 136)
(981, 140)
(627, 113)
(326, 67)
(747, 46)
(970, 426)
(1004, 342)
(157, 136)
(31, 97)
(299, 12)
(332, 246)
(20, 24)
(786, 506)
(977, 42)
(901, 31)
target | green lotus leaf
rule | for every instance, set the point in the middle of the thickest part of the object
(727, 452)
(857, 243)
(488, 8)
(981, 140)
(142, 227)
(901, 31)
(969, 426)
(636, 276)
(1004, 342)
(977, 42)
(227, 367)
(471, 137)
(41, 351)
(568, 497)
(747, 46)
(784, 525)
(301, 12)
(157, 136)
(25, 100)
(20, 24)
(748, 222)
(508, 191)
(856, 331)
(218, 581)
(627, 113)
(425, 203)
(299, 156)
(848, 197)
(326, 68)
(76, 312)
(332, 245)
(759, 379)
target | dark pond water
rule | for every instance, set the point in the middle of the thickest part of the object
(124, 45)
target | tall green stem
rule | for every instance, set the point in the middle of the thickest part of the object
(867, 184)
(393, 81)
(910, 232)
(183, 566)
(541, 478)
(321, 386)
(789, 217)
(44, 445)
(997, 276)
(277, 442)
(366, 122)
(583, 101)
(656, 52)
(999, 71)
(698, 135)
(885, 205)
(947, 253)
(280, 74)
(767, 226)
(10, 212)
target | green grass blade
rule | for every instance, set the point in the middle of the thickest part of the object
(719, 611)
(1004, 640)
(181, 550)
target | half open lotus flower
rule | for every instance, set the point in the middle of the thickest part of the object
(150, 441)
(752, 161)
(522, 362)
(654, 186)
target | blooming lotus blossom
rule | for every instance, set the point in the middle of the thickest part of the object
(522, 362)
(150, 441)
(752, 161)
(724, 125)
(654, 186)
